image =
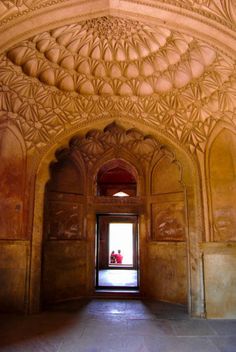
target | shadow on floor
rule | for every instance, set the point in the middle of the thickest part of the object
(101, 325)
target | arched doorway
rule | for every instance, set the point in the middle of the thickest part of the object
(117, 254)
(83, 185)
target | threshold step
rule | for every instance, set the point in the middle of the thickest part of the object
(117, 294)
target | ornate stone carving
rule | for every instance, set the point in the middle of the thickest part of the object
(168, 222)
(96, 143)
(74, 74)
(12, 7)
(224, 224)
(130, 59)
(221, 11)
(64, 221)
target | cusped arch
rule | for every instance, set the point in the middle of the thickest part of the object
(116, 176)
(125, 158)
(153, 137)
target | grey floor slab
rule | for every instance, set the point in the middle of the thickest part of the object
(103, 325)
(225, 343)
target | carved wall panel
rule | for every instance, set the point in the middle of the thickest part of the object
(64, 209)
(168, 221)
(12, 179)
(64, 220)
(222, 170)
(168, 202)
(64, 246)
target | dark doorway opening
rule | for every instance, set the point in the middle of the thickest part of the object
(118, 270)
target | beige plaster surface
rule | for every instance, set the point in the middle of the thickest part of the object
(220, 280)
(167, 272)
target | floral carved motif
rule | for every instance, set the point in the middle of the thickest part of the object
(12, 7)
(223, 11)
(111, 56)
(97, 143)
(111, 67)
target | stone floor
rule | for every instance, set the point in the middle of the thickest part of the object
(118, 278)
(102, 325)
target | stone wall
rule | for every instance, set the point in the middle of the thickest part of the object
(220, 280)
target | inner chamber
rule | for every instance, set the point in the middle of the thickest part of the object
(81, 201)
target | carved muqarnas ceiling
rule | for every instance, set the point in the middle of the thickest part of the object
(113, 57)
(116, 67)
(115, 139)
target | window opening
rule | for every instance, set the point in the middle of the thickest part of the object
(121, 242)
(116, 178)
(120, 194)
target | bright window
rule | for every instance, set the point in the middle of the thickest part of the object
(121, 238)
(120, 194)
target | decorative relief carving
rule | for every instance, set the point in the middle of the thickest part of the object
(96, 143)
(12, 7)
(222, 11)
(224, 224)
(168, 222)
(131, 59)
(64, 221)
(74, 74)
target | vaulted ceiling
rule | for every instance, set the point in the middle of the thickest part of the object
(115, 67)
